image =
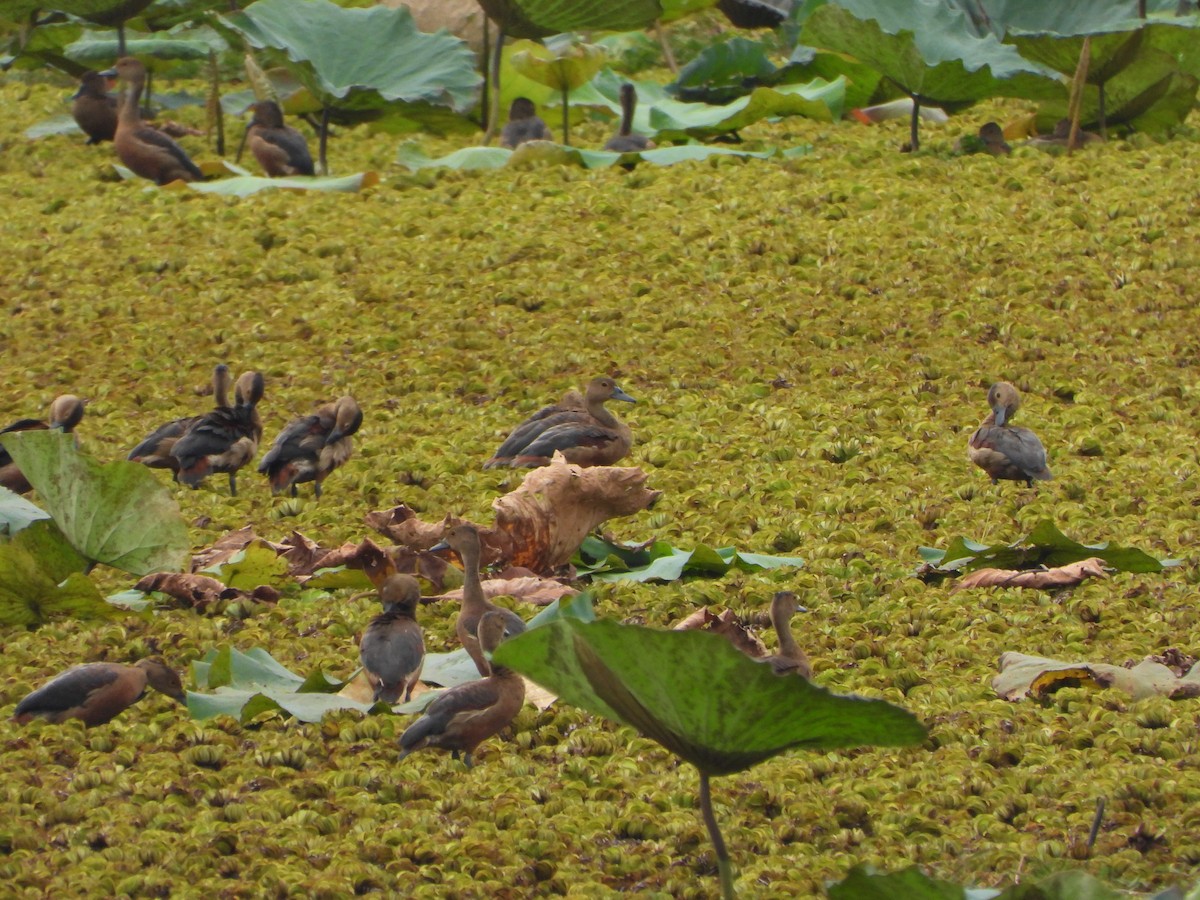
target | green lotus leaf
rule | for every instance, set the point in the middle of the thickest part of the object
(49, 546)
(698, 696)
(678, 9)
(361, 58)
(339, 577)
(542, 18)
(246, 185)
(156, 52)
(567, 70)
(547, 153)
(17, 513)
(46, 45)
(604, 561)
(863, 883)
(30, 596)
(101, 12)
(117, 514)
(255, 565)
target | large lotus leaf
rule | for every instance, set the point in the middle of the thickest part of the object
(99, 52)
(46, 45)
(50, 548)
(678, 9)
(101, 12)
(359, 58)
(604, 561)
(542, 18)
(547, 153)
(16, 512)
(1064, 17)
(863, 883)
(245, 185)
(254, 565)
(117, 514)
(698, 696)
(927, 50)
(29, 595)
(574, 66)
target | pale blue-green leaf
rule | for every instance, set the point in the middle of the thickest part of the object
(16, 512)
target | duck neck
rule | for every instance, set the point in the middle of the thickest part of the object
(787, 641)
(128, 113)
(598, 411)
(472, 584)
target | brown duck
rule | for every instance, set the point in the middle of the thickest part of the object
(464, 540)
(1002, 450)
(463, 717)
(790, 660)
(147, 152)
(311, 447)
(65, 413)
(280, 149)
(98, 692)
(591, 436)
(225, 439)
(524, 124)
(625, 141)
(94, 108)
(155, 450)
(392, 648)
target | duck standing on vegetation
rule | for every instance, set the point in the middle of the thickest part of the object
(98, 692)
(223, 440)
(790, 660)
(392, 648)
(280, 149)
(587, 436)
(463, 717)
(155, 450)
(65, 413)
(1003, 450)
(464, 540)
(94, 108)
(147, 152)
(625, 140)
(524, 124)
(311, 447)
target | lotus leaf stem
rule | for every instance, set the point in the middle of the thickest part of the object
(724, 866)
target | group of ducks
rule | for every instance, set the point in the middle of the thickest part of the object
(280, 149)
(524, 124)
(392, 648)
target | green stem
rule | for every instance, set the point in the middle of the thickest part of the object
(724, 866)
(566, 116)
(914, 138)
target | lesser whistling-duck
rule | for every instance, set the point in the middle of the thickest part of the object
(65, 413)
(464, 540)
(524, 124)
(98, 692)
(392, 648)
(591, 436)
(1003, 450)
(463, 717)
(225, 439)
(280, 149)
(991, 136)
(155, 450)
(625, 141)
(310, 447)
(790, 660)
(94, 108)
(147, 152)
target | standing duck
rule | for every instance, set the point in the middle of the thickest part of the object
(98, 692)
(463, 717)
(790, 660)
(464, 540)
(225, 439)
(280, 149)
(94, 108)
(65, 413)
(149, 153)
(625, 140)
(392, 648)
(524, 124)
(591, 436)
(1003, 450)
(311, 447)
(155, 450)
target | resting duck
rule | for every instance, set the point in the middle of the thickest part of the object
(280, 149)
(223, 440)
(790, 660)
(464, 540)
(65, 413)
(94, 108)
(625, 140)
(98, 692)
(155, 450)
(311, 447)
(524, 124)
(587, 436)
(1002, 450)
(149, 153)
(463, 717)
(392, 648)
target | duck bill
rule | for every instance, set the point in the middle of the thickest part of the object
(619, 394)
(1001, 415)
(440, 545)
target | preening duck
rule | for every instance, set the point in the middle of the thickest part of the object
(310, 447)
(1004, 451)
(155, 450)
(225, 439)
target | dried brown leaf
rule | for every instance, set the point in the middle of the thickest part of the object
(729, 626)
(1062, 577)
(531, 589)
